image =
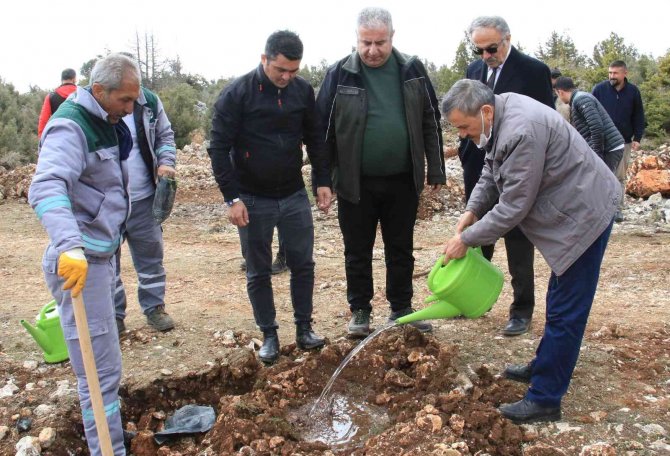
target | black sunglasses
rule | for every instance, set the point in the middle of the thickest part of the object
(491, 49)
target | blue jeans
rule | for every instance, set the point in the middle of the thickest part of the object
(292, 215)
(569, 300)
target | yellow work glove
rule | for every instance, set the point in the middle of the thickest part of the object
(72, 266)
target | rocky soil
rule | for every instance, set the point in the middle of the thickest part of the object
(403, 394)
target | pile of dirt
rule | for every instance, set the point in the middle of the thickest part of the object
(15, 183)
(431, 407)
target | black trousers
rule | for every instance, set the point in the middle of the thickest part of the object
(520, 260)
(392, 202)
(520, 251)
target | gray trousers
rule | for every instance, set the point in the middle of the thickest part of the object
(622, 170)
(97, 296)
(145, 242)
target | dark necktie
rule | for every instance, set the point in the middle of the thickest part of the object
(492, 79)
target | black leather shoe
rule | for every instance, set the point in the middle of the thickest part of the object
(517, 326)
(279, 264)
(269, 352)
(305, 338)
(527, 411)
(518, 372)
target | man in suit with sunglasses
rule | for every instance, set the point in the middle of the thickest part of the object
(505, 69)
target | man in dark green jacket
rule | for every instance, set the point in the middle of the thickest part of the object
(382, 126)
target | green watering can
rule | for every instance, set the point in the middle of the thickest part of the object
(468, 287)
(48, 334)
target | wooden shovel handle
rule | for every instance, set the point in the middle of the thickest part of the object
(92, 376)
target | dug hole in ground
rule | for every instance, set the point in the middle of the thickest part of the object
(403, 394)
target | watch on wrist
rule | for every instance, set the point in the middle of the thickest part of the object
(232, 201)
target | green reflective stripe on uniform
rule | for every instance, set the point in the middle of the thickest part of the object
(152, 102)
(51, 203)
(99, 134)
(98, 245)
(111, 409)
(164, 149)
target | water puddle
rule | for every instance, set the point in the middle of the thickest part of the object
(345, 422)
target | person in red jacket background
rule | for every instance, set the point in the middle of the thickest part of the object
(54, 99)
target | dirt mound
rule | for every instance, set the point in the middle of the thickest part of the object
(406, 377)
(15, 183)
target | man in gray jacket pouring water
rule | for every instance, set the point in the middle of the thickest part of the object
(541, 175)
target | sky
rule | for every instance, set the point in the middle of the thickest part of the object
(39, 38)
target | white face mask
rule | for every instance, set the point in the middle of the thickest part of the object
(483, 139)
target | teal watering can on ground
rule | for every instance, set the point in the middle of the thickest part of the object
(468, 287)
(48, 334)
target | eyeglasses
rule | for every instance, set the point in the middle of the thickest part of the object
(491, 49)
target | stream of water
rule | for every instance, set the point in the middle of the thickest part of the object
(345, 361)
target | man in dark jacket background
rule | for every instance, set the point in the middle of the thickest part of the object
(592, 122)
(623, 103)
(382, 126)
(504, 69)
(260, 122)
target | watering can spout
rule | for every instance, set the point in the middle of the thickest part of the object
(441, 309)
(466, 286)
(39, 336)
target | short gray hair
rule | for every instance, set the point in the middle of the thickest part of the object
(110, 71)
(495, 22)
(468, 96)
(374, 18)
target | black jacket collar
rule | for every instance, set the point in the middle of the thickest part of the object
(264, 83)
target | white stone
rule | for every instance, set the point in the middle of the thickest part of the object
(3, 431)
(30, 386)
(30, 364)
(28, 446)
(42, 383)
(8, 390)
(43, 410)
(655, 200)
(653, 428)
(166, 372)
(62, 389)
(565, 427)
(660, 445)
(47, 437)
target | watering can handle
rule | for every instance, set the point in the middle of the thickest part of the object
(46, 308)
